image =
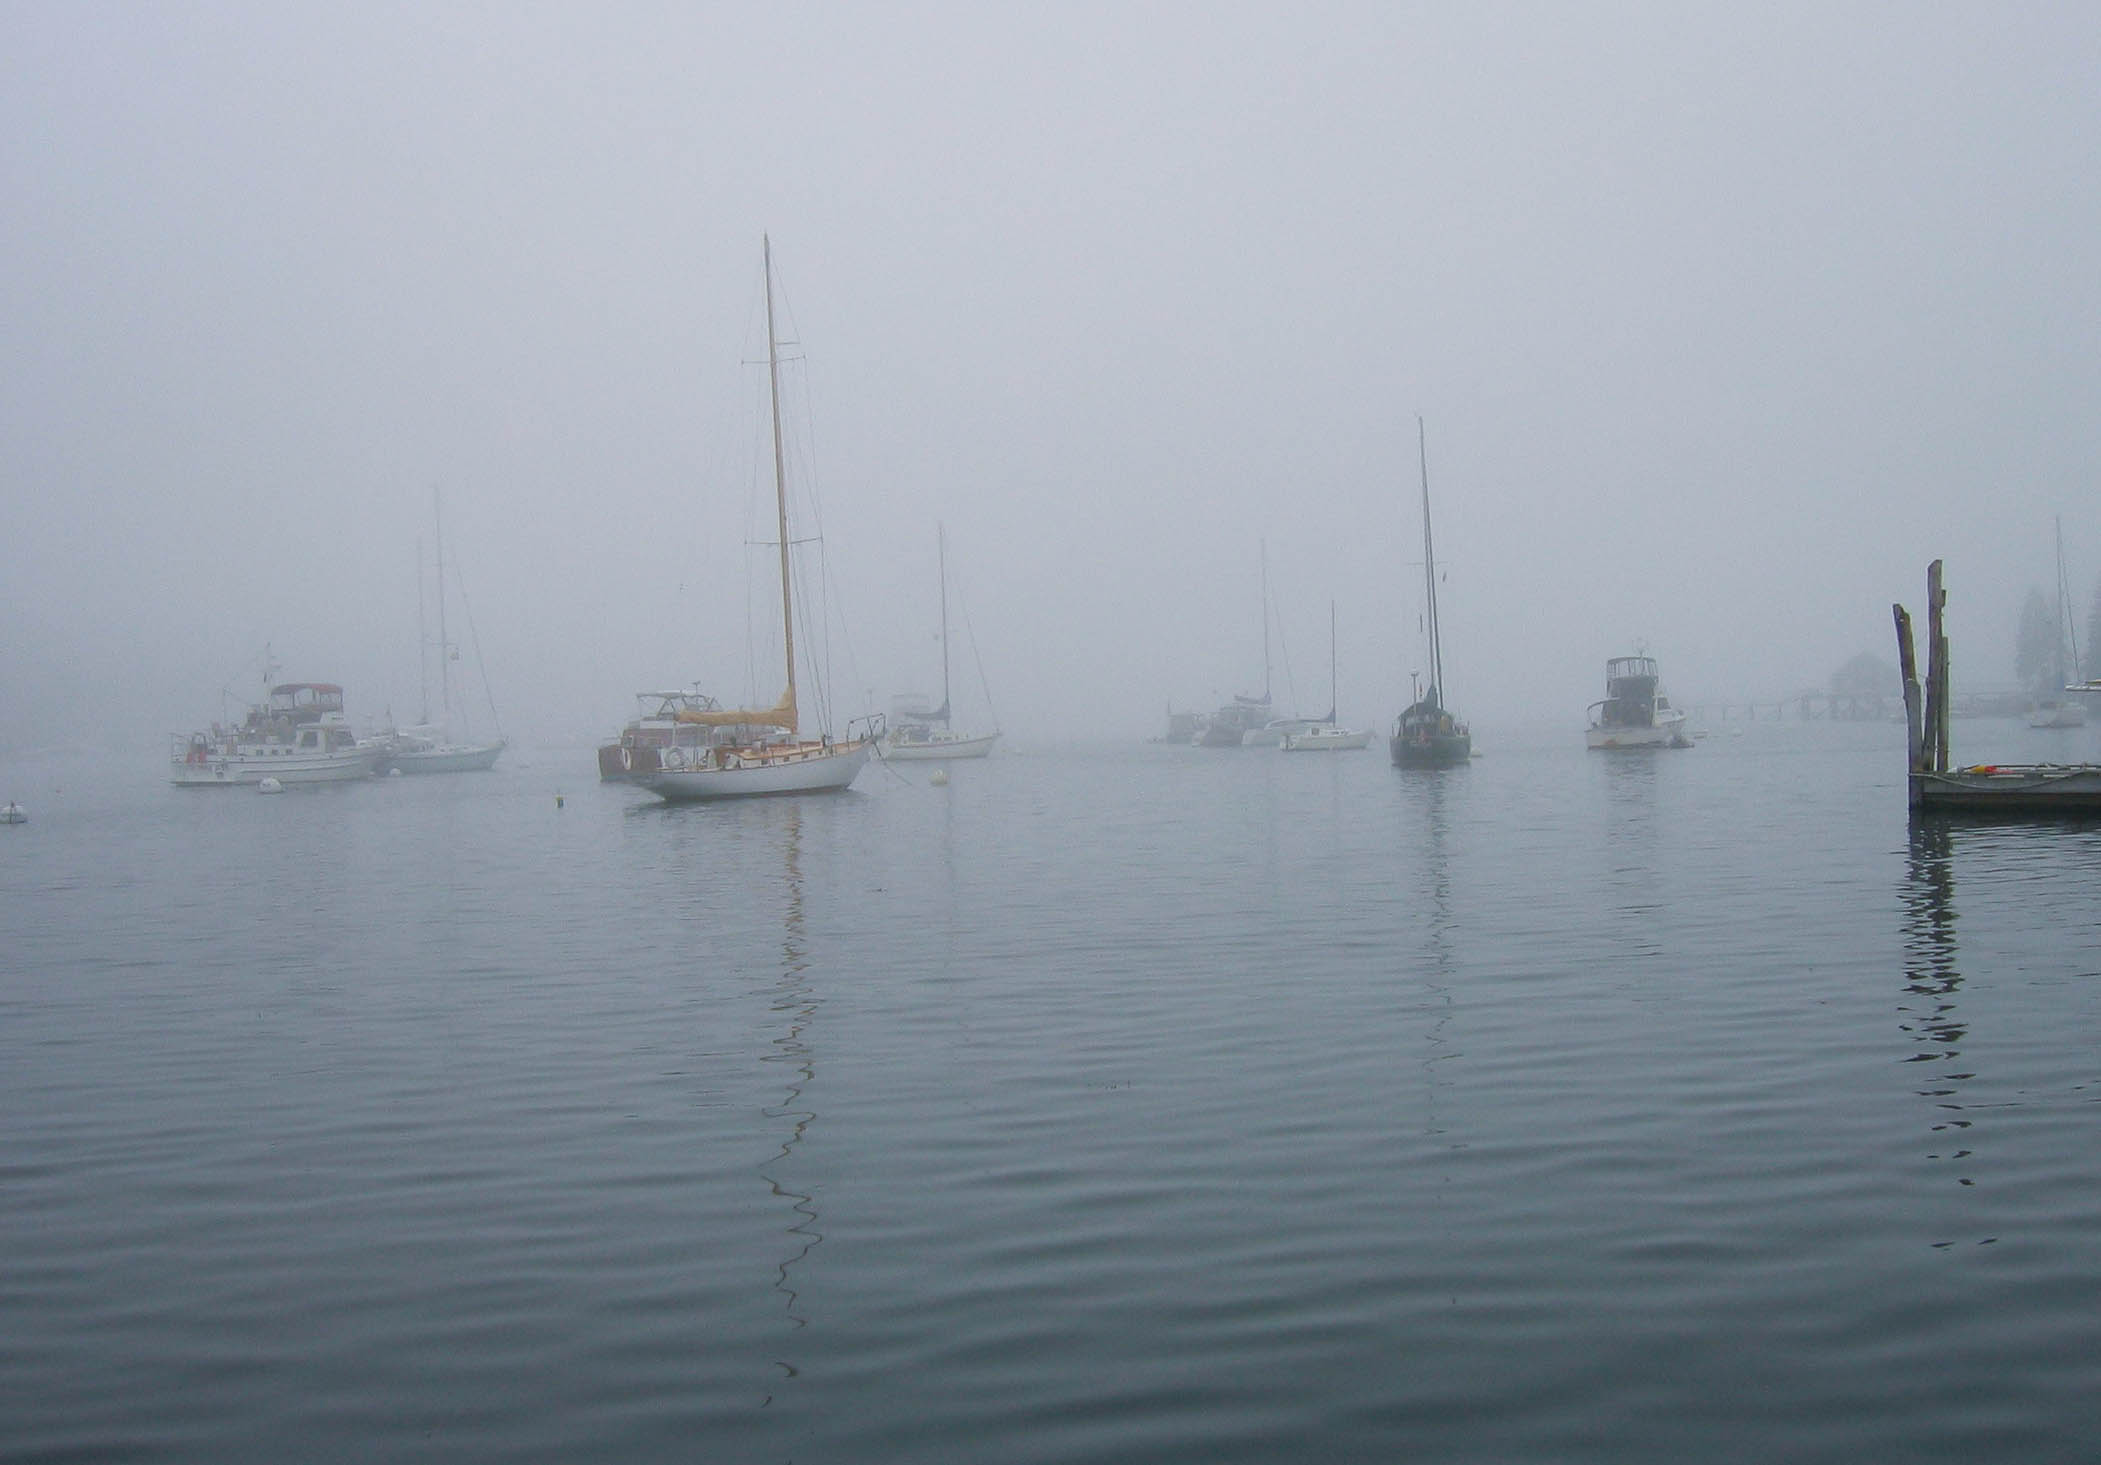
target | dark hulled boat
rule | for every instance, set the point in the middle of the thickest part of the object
(1429, 734)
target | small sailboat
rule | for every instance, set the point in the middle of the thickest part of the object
(2061, 708)
(1325, 736)
(924, 734)
(433, 747)
(1428, 734)
(752, 751)
(1246, 719)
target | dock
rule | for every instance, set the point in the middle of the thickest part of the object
(1987, 790)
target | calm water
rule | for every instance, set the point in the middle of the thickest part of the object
(1138, 1104)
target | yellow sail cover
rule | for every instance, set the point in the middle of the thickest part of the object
(781, 715)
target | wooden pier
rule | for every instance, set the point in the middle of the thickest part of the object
(1987, 790)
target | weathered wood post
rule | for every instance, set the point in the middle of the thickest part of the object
(1914, 714)
(1937, 674)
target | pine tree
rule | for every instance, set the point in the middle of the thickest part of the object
(2035, 652)
(2093, 635)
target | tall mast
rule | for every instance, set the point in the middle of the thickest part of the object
(422, 644)
(780, 470)
(1332, 699)
(1264, 544)
(941, 553)
(444, 644)
(1422, 445)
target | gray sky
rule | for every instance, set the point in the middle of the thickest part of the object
(1724, 320)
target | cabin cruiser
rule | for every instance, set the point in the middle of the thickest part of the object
(639, 749)
(298, 736)
(1634, 713)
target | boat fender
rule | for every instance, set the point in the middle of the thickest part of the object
(627, 760)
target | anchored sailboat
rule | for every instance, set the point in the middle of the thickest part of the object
(1427, 734)
(1246, 719)
(1325, 736)
(434, 747)
(2061, 705)
(754, 751)
(925, 734)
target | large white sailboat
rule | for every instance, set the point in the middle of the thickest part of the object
(752, 751)
(925, 734)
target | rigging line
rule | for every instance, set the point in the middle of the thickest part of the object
(1291, 688)
(812, 648)
(474, 636)
(970, 634)
(853, 663)
(807, 484)
(758, 422)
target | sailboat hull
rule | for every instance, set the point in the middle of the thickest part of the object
(1440, 750)
(1326, 740)
(938, 747)
(446, 758)
(800, 768)
(2057, 714)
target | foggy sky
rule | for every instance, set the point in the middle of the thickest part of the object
(1723, 320)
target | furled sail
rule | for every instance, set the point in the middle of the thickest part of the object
(781, 715)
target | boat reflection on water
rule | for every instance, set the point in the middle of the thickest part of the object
(794, 1009)
(1440, 956)
(1929, 1015)
(1633, 850)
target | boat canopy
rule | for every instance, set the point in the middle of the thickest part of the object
(781, 715)
(306, 697)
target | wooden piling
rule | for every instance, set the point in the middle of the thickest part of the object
(1938, 671)
(1914, 713)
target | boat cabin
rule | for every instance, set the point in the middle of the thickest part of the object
(325, 737)
(305, 701)
(1630, 693)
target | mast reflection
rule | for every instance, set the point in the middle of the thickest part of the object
(1439, 951)
(794, 1007)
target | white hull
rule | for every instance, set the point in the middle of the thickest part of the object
(939, 747)
(2057, 714)
(1326, 740)
(793, 769)
(287, 768)
(1669, 732)
(447, 758)
(1273, 733)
